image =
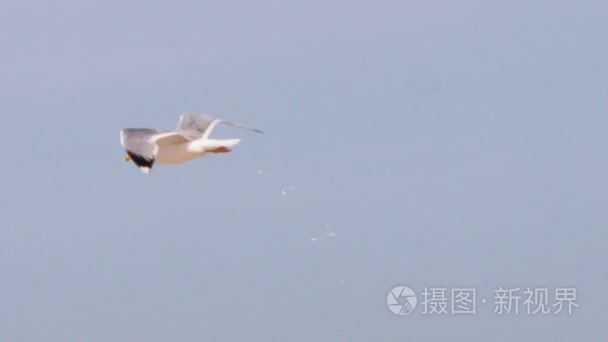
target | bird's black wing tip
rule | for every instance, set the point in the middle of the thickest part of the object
(140, 160)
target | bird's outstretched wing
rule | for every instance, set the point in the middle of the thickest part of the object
(200, 125)
(141, 144)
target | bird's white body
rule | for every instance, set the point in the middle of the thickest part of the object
(187, 151)
(179, 153)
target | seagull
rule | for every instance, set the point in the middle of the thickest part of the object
(190, 140)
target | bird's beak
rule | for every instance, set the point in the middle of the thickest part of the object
(127, 158)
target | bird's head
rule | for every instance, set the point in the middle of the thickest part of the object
(127, 158)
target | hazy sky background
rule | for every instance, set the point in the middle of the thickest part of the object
(448, 144)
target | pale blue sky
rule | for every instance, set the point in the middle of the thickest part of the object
(449, 144)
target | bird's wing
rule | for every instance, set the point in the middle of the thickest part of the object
(200, 125)
(195, 126)
(142, 144)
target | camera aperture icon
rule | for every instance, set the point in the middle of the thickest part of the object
(401, 300)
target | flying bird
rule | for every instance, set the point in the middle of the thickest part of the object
(190, 140)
